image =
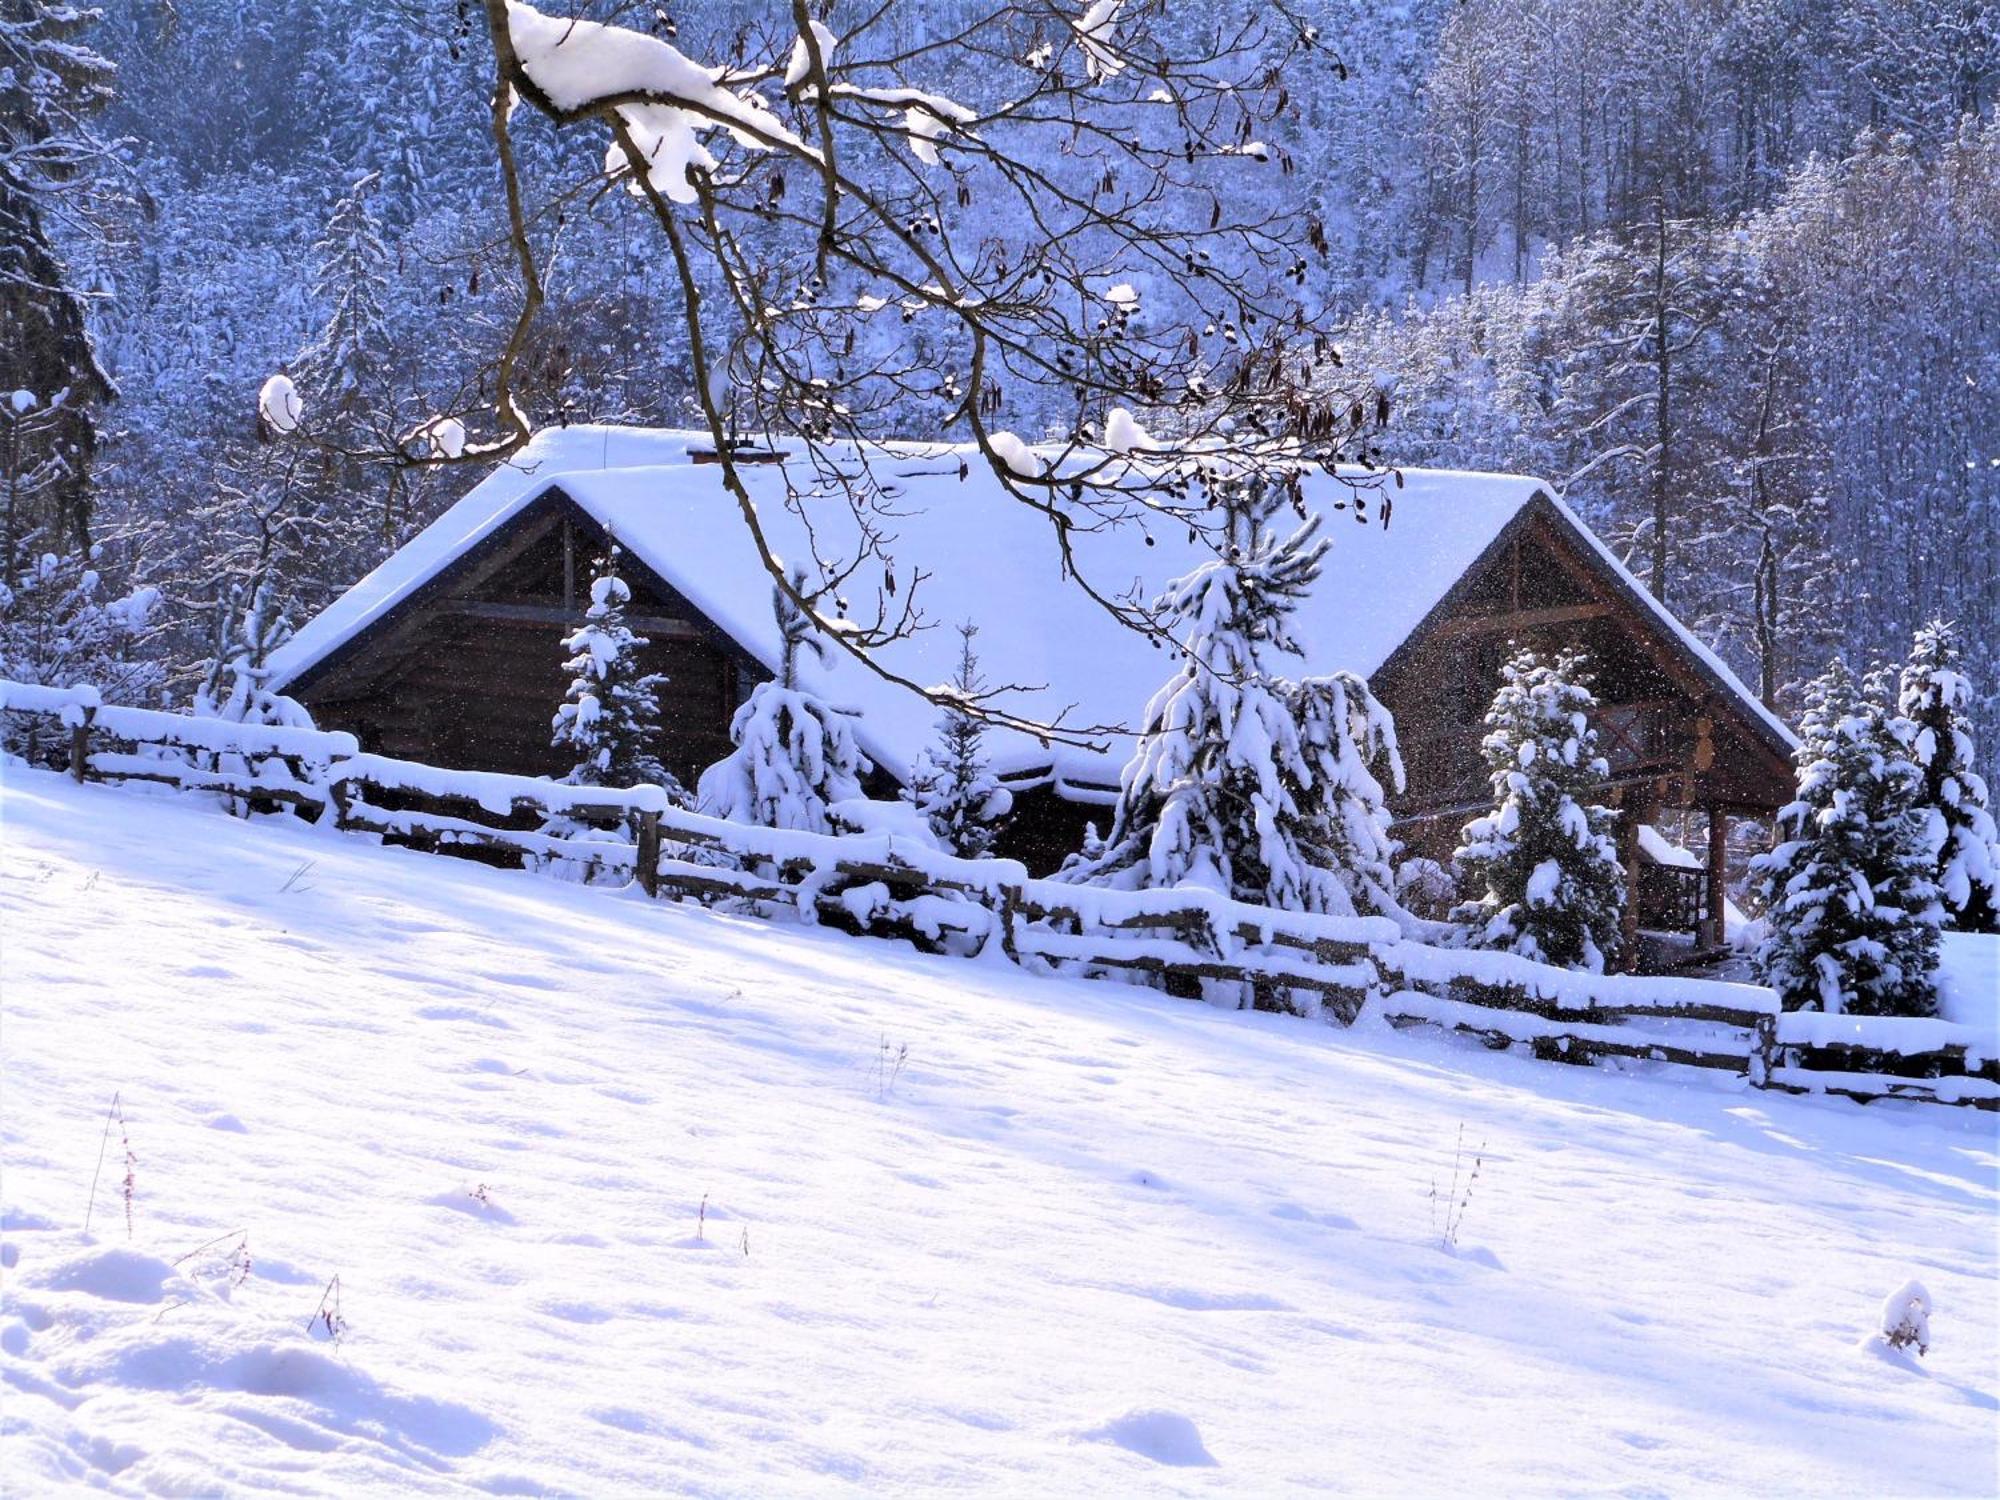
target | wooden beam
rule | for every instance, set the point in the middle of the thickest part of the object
(1718, 860)
(660, 627)
(1524, 619)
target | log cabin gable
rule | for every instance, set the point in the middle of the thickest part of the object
(1668, 716)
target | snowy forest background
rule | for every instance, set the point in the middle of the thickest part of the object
(1730, 263)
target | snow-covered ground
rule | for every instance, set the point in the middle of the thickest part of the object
(965, 1230)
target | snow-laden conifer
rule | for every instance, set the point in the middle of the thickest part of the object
(351, 283)
(794, 754)
(1851, 914)
(1211, 795)
(610, 718)
(1544, 861)
(1935, 701)
(1347, 741)
(950, 782)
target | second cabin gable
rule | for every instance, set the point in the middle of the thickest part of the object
(1538, 586)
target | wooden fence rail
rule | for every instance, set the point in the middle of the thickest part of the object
(1192, 942)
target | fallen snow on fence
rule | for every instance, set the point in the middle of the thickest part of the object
(896, 885)
(623, 1194)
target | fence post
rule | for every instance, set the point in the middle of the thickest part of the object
(1764, 1055)
(79, 747)
(649, 853)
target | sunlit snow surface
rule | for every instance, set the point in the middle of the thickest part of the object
(1077, 1239)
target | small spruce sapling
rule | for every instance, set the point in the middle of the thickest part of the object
(610, 717)
(795, 755)
(609, 720)
(1551, 884)
(1934, 701)
(950, 783)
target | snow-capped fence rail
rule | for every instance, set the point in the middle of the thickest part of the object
(879, 883)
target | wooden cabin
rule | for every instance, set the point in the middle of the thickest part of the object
(450, 652)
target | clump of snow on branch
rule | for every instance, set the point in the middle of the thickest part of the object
(279, 405)
(1551, 886)
(577, 63)
(1097, 34)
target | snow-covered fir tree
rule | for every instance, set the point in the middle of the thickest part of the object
(1934, 698)
(609, 719)
(249, 629)
(951, 783)
(795, 755)
(1544, 860)
(52, 85)
(1347, 741)
(1211, 795)
(350, 282)
(1850, 911)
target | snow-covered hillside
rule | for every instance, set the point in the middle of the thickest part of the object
(965, 1231)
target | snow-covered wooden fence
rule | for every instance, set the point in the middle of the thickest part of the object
(1192, 941)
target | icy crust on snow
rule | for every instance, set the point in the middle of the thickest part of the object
(977, 544)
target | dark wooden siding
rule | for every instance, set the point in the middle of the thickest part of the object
(470, 672)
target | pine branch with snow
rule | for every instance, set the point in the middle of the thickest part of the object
(1544, 860)
(1851, 911)
(58, 628)
(1935, 700)
(249, 629)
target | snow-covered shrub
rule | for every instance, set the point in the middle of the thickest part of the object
(1545, 861)
(794, 754)
(58, 630)
(1851, 912)
(234, 686)
(1935, 700)
(1906, 1317)
(950, 783)
(610, 717)
(1211, 795)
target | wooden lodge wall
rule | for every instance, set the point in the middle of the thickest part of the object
(468, 673)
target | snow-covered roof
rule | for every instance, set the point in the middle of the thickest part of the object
(987, 558)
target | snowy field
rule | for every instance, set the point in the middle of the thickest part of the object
(965, 1231)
